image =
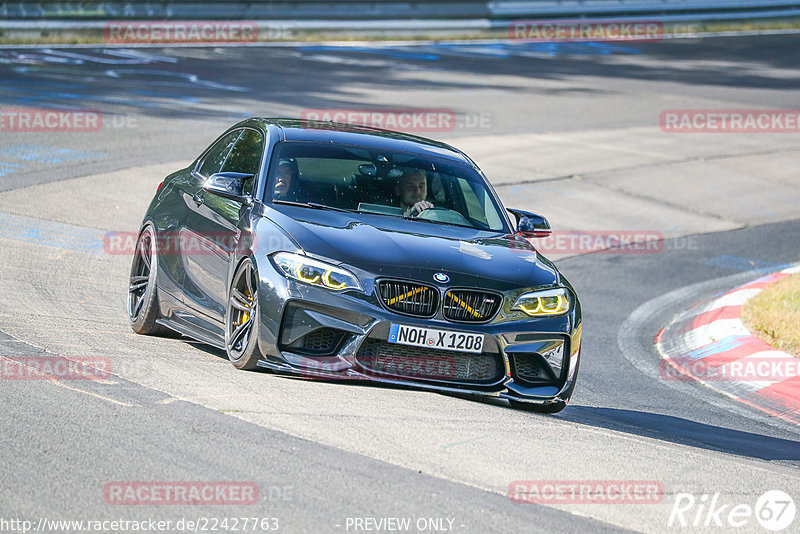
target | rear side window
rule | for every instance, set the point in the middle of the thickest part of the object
(246, 157)
(215, 158)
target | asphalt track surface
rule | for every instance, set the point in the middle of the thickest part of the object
(325, 454)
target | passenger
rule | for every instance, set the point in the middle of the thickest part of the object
(413, 192)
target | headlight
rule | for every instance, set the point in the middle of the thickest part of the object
(313, 272)
(544, 303)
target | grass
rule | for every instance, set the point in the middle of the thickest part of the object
(774, 315)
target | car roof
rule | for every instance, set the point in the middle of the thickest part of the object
(351, 134)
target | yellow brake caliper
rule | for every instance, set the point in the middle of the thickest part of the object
(243, 318)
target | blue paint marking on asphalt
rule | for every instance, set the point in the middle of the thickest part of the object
(739, 263)
(46, 99)
(398, 53)
(8, 168)
(48, 154)
(723, 345)
(434, 52)
(44, 83)
(51, 234)
(550, 49)
(607, 48)
(48, 95)
(74, 101)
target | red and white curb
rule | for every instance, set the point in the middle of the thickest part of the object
(710, 344)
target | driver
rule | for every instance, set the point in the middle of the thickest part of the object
(413, 190)
(285, 181)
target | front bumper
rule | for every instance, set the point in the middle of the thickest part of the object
(316, 333)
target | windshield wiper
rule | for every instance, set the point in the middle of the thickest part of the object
(314, 205)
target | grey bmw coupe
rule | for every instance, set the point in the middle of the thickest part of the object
(335, 251)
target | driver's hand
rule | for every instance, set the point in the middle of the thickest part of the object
(419, 207)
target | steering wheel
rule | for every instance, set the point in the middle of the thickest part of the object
(445, 215)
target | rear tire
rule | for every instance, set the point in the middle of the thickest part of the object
(242, 318)
(143, 311)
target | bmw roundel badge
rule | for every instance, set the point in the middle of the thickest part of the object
(441, 278)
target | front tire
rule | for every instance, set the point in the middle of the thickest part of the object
(549, 408)
(242, 318)
(143, 309)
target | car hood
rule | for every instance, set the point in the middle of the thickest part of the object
(397, 248)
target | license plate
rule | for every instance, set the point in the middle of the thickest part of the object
(435, 339)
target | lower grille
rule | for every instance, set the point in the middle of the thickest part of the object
(471, 306)
(527, 367)
(382, 357)
(409, 298)
(320, 342)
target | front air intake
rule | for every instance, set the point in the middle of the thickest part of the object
(469, 306)
(409, 298)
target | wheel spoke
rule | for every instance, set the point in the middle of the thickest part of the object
(239, 332)
(145, 253)
(240, 302)
(248, 276)
(138, 307)
(138, 285)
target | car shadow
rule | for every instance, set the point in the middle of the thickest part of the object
(684, 432)
(651, 425)
(669, 428)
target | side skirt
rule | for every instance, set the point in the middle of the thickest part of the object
(193, 331)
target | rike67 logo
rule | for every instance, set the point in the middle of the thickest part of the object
(774, 511)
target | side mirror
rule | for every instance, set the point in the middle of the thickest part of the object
(228, 185)
(531, 224)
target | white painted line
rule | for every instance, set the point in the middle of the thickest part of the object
(710, 333)
(737, 388)
(736, 298)
(101, 397)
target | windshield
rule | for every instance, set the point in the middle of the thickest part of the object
(382, 182)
